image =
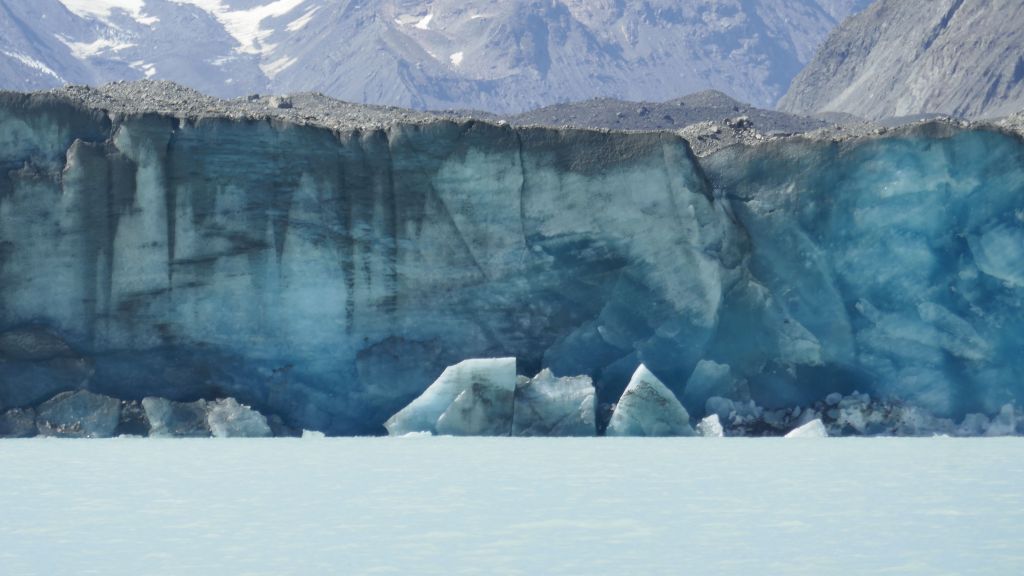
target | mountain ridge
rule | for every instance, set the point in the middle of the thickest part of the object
(905, 58)
(439, 54)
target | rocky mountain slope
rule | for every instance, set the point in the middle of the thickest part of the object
(428, 54)
(908, 57)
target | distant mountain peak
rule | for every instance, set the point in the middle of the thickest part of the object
(436, 54)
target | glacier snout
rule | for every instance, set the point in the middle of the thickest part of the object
(327, 276)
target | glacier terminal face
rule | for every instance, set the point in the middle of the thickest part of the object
(328, 276)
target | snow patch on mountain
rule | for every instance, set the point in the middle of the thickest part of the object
(274, 68)
(246, 25)
(407, 53)
(104, 10)
(85, 50)
(424, 23)
(301, 22)
(33, 63)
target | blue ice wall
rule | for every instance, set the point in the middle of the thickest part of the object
(901, 256)
(330, 277)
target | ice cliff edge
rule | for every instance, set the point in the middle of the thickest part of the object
(327, 273)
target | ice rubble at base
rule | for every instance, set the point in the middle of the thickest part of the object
(546, 405)
(84, 414)
(229, 419)
(484, 397)
(711, 427)
(813, 429)
(224, 418)
(79, 414)
(859, 414)
(648, 408)
(473, 397)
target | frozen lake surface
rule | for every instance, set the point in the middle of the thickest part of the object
(512, 506)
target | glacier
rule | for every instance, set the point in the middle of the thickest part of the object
(326, 276)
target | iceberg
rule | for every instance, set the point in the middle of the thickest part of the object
(546, 405)
(471, 398)
(80, 414)
(813, 429)
(176, 419)
(229, 419)
(711, 427)
(648, 408)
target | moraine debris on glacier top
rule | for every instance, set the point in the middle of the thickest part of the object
(171, 99)
(707, 124)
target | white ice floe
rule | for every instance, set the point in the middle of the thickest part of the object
(813, 429)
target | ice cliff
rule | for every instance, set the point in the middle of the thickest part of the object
(327, 275)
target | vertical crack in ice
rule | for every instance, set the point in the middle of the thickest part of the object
(522, 194)
(170, 201)
(458, 232)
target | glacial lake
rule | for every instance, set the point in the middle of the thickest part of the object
(512, 506)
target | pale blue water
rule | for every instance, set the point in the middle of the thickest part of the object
(512, 506)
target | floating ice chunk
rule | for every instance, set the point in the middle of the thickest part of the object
(648, 408)
(549, 406)
(177, 419)
(313, 435)
(485, 408)
(18, 423)
(80, 414)
(813, 429)
(229, 419)
(711, 427)
(473, 397)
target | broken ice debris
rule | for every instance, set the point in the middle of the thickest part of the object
(471, 398)
(176, 419)
(711, 427)
(80, 414)
(648, 408)
(813, 429)
(229, 419)
(546, 405)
